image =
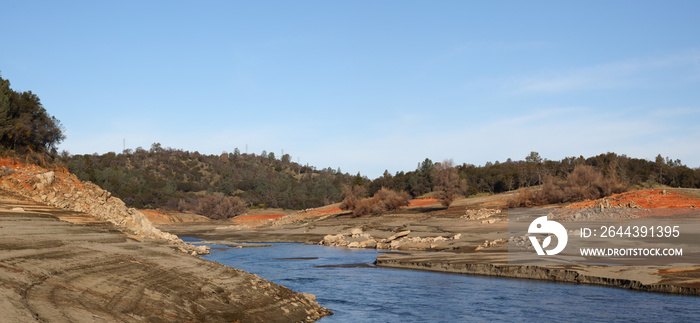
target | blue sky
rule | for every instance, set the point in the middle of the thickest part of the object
(365, 85)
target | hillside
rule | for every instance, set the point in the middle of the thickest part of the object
(223, 186)
(176, 180)
(58, 188)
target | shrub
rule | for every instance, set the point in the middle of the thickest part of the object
(393, 200)
(383, 201)
(218, 207)
(363, 206)
(583, 183)
(351, 196)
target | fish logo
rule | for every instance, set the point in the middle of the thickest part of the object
(542, 225)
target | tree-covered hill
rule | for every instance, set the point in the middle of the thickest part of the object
(180, 180)
(172, 179)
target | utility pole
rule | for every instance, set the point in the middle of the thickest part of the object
(124, 145)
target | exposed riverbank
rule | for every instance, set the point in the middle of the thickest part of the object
(471, 234)
(640, 278)
(70, 252)
(55, 271)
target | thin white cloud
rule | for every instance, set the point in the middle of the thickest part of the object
(631, 73)
(676, 112)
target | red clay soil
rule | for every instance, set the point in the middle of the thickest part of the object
(324, 210)
(156, 217)
(9, 163)
(423, 201)
(675, 271)
(650, 199)
(26, 172)
(151, 213)
(256, 217)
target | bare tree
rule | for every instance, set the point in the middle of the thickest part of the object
(447, 182)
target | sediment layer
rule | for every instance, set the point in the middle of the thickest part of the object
(55, 271)
(560, 275)
(65, 191)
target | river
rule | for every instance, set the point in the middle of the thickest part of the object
(344, 281)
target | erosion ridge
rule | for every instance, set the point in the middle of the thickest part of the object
(56, 271)
(59, 188)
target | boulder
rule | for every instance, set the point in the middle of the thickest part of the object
(383, 245)
(398, 235)
(310, 297)
(371, 243)
(355, 232)
(395, 244)
(46, 178)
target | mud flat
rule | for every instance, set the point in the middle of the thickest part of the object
(681, 280)
(88, 270)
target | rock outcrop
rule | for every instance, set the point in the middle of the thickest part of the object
(64, 190)
(489, 244)
(488, 216)
(399, 241)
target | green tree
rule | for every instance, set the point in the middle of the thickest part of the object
(5, 94)
(533, 157)
(286, 159)
(25, 126)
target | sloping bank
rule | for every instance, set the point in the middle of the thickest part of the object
(553, 274)
(64, 190)
(51, 270)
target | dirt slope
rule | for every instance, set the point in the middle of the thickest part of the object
(651, 199)
(54, 271)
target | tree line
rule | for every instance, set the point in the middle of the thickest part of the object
(180, 180)
(498, 177)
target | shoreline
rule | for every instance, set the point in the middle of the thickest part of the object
(492, 265)
(468, 257)
(554, 274)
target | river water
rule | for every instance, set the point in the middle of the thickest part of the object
(344, 281)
